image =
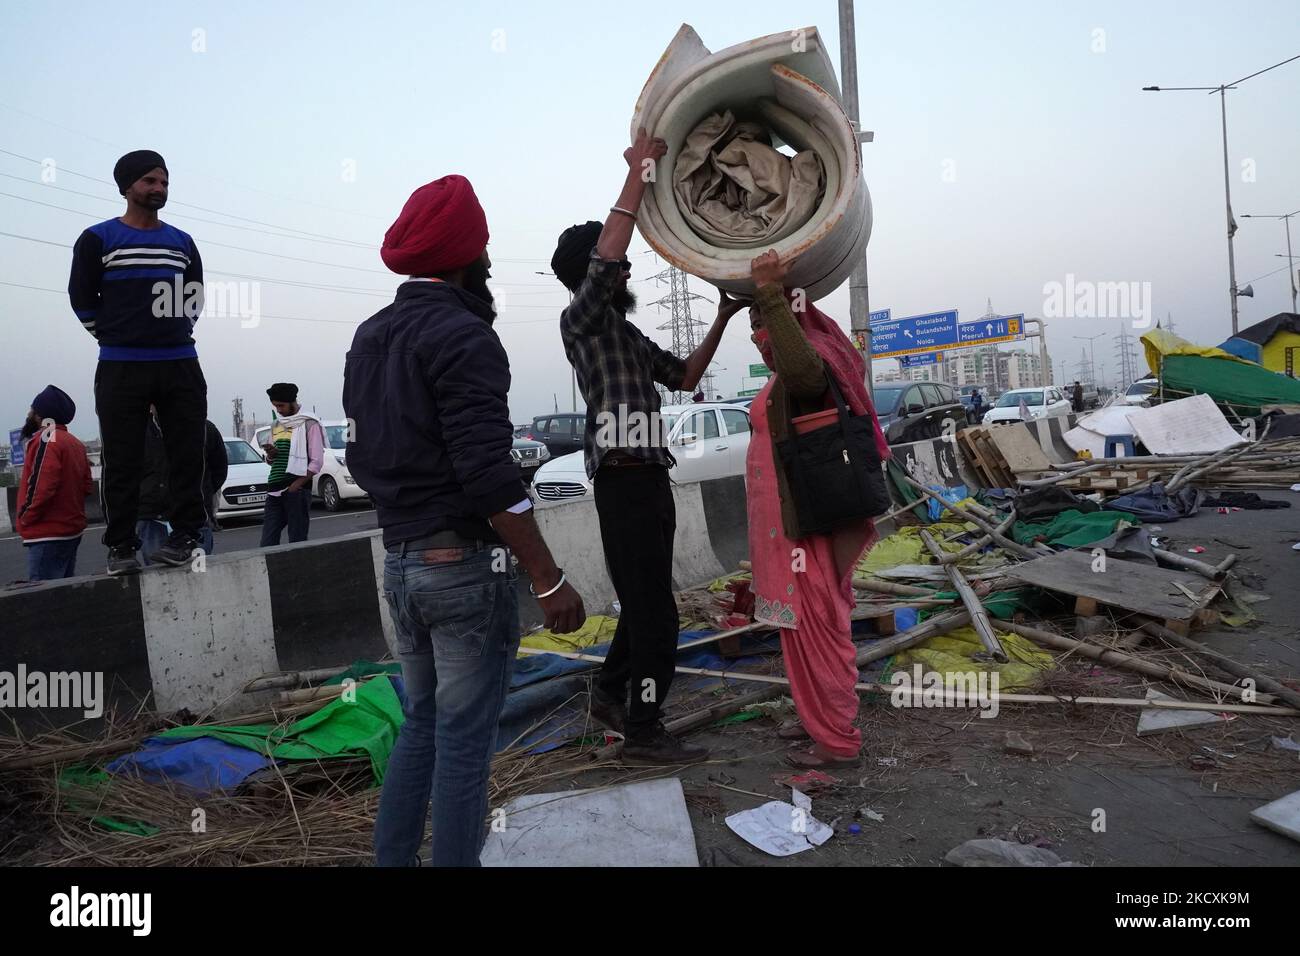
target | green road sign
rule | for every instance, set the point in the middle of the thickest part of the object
(747, 392)
(760, 371)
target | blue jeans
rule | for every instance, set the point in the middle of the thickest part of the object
(288, 508)
(153, 535)
(457, 629)
(52, 560)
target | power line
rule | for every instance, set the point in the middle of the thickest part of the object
(346, 243)
(219, 212)
(294, 318)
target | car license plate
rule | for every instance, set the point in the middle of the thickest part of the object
(250, 499)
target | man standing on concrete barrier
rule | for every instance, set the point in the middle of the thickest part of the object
(52, 491)
(617, 367)
(425, 386)
(296, 451)
(137, 287)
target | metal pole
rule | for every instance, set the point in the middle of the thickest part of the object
(1227, 194)
(1289, 260)
(859, 299)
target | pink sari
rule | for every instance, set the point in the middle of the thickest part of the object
(798, 585)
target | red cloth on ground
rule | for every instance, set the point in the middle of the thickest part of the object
(442, 227)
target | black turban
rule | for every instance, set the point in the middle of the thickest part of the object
(283, 392)
(573, 253)
(134, 165)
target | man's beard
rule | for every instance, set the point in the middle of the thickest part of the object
(476, 283)
(31, 427)
(625, 300)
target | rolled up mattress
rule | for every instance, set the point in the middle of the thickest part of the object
(786, 81)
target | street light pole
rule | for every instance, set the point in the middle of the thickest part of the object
(859, 299)
(1222, 90)
(1227, 195)
(1289, 258)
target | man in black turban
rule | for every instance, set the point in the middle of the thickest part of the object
(136, 287)
(627, 460)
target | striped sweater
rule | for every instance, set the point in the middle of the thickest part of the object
(137, 291)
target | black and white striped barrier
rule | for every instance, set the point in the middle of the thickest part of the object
(194, 638)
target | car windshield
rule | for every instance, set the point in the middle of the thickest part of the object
(241, 453)
(336, 436)
(887, 397)
(1141, 388)
(668, 419)
(1013, 399)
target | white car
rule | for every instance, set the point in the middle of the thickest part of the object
(708, 439)
(1046, 402)
(335, 484)
(244, 492)
(1139, 392)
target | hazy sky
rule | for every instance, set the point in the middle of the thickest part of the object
(1013, 147)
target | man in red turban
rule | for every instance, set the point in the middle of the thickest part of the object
(425, 385)
(442, 228)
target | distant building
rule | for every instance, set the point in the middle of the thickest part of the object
(1020, 369)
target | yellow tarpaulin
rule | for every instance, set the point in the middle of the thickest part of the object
(597, 629)
(951, 654)
(1160, 342)
(905, 546)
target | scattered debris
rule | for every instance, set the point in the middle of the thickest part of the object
(1282, 816)
(1002, 853)
(1013, 743)
(1154, 720)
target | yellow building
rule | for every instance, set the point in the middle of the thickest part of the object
(1273, 343)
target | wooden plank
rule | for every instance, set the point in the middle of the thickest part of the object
(1019, 449)
(1000, 477)
(977, 459)
(1130, 585)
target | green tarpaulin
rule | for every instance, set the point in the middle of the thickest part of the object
(342, 728)
(1070, 529)
(1187, 368)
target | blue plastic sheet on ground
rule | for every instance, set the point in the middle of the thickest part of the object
(203, 764)
(951, 495)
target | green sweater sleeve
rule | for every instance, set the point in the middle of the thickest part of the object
(797, 363)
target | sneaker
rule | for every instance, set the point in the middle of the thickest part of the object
(607, 710)
(657, 746)
(178, 551)
(123, 561)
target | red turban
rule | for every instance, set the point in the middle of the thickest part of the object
(442, 227)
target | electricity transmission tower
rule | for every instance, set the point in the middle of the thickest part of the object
(682, 322)
(1127, 356)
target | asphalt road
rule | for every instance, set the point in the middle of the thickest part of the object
(236, 534)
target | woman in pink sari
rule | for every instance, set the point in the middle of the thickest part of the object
(803, 582)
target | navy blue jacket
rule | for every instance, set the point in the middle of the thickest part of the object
(425, 387)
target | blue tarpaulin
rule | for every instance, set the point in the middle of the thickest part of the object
(203, 764)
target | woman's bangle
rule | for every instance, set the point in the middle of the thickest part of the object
(625, 212)
(558, 585)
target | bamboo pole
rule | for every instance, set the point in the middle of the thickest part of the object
(1263, 681)
(983, 525)
(918, 693)
(979, 617)
(1127, 661)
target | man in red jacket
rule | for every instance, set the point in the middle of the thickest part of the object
(52, 493)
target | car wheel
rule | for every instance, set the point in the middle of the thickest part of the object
(329, 492)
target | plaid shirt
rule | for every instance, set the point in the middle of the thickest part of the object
(617, 366)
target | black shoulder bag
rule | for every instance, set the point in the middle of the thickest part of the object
(834, 472)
